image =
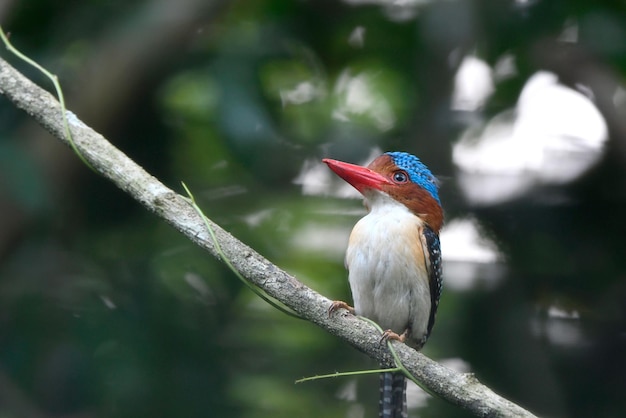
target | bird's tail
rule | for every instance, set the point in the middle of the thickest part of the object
(392, 402)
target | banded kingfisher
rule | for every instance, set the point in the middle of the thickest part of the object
(394, 256)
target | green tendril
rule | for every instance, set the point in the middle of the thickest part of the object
(59, 92)
(399, 366)
(260, 293)
(343, 374)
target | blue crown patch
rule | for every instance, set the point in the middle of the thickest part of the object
(418, 172)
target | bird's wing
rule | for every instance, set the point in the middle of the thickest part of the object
(432, 255)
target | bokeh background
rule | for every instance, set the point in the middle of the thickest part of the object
(519, 107)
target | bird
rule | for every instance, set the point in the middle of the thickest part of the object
(394, 256)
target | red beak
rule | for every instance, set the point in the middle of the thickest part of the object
(361, 178)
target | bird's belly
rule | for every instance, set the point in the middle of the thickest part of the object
(388, 275)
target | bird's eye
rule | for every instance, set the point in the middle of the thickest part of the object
(400, 177)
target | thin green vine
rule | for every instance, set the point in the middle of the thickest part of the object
(343, 374)
(399, 366)
(57, 87)
(276, 304)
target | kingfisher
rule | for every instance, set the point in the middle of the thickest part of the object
(394, 257)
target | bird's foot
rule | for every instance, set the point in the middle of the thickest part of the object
(390, 335)
(339, 304)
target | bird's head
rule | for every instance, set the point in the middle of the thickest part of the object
(401, 176)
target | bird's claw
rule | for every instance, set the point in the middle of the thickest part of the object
(390, 335)
(339, 304)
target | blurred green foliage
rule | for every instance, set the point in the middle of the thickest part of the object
(104, 311)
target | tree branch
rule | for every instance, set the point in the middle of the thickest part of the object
(460, 389)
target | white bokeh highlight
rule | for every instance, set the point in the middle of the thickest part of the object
(553, 135)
